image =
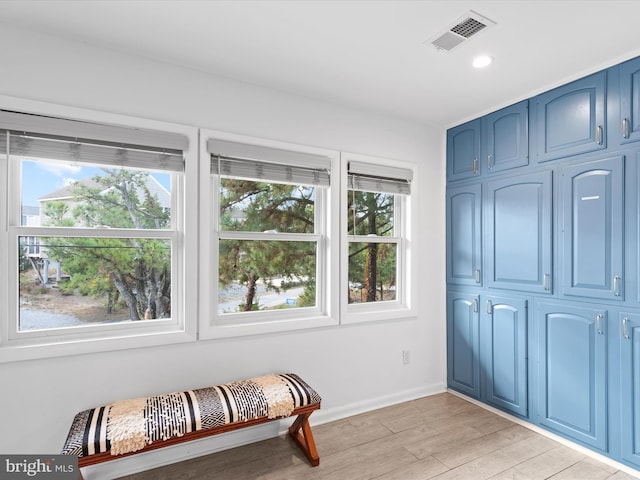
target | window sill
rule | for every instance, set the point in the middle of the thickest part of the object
(62, 348)
(228, 330)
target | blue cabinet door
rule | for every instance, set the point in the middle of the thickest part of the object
(463, 151)
(630, 101)
(630, 387)
(505, 135)
(592, 226)
(463, 343)
(572, 372)
(504, 353)
(464, 235)
(571, 119)
(518, 240)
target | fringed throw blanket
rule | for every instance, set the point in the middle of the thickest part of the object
(129, 425)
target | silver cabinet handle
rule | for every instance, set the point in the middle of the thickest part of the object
(599, 323)
(546, 284)
(490, 161)
(477, 275)
(489, 307)
(599, 135)
(625, 128)
(616, 285)
(475, 166)
(625, 335)
(475, 305)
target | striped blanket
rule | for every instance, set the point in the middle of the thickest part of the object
(129, 425)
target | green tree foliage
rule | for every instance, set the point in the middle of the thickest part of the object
(371, 264)
(262, 207)
(138, 271)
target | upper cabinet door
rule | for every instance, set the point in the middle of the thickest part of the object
(518, 216)
(592, 226)
(464, 235)
(506, 138)
(571, 119)
(630, 101)
(463, 151)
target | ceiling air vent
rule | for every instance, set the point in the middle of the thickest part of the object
(464, 28)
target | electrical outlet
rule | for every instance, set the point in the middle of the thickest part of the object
(405, 357)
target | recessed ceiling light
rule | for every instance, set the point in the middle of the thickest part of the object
(482, 61)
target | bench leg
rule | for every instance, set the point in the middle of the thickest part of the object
(301, 433)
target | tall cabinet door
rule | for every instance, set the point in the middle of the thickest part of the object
(630, 387)
(463, 151)
(463, 343)
(504, 353)
(572, 372)
(592, 224)
(518, 253)
(506, 138)
(570, 120)
(630, 101)
(464, 235)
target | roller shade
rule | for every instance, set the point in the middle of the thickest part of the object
(254, 162)
(379, 178)
(42, 137)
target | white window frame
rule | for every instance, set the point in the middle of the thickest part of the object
(182, 327)
(213, 325)
(404, 221)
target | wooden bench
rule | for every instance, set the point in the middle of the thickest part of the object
(140, 425)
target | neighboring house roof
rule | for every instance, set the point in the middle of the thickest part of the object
(30, 211)
(66, 193)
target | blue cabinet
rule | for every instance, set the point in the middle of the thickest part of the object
(463, 151)
(503, 352)
(572, 351)
(505, 136)
(592, 226)
(464, 235)
(463, 342)
(629, 91)
(630, 387)
(571, 119)
(518, 226)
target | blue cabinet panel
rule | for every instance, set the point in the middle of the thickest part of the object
(506, 138)
(463, 151)
(592, 225)
(518, 254)
(630, 387)
(504, 353)
(572, 369)
(464, 235)
(571, 119)
(463, 343)
(630, 101)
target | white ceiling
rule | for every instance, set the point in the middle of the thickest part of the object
(364, 54)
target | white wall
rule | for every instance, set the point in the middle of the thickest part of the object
(354, 368)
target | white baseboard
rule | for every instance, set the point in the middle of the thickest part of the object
(567, 443)
(197, 448)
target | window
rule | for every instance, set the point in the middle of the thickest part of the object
(270, 222)
(95, 226)
(376, 257)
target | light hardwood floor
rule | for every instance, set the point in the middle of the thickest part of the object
(440, 437)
